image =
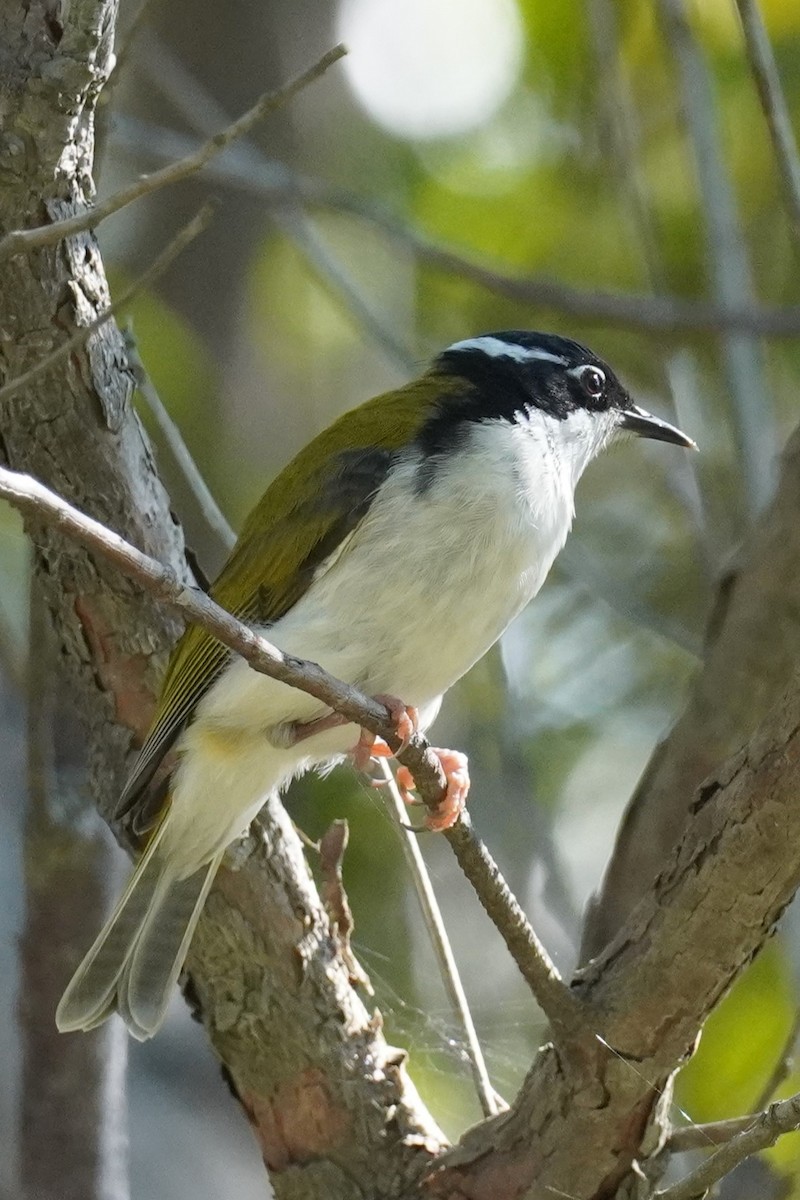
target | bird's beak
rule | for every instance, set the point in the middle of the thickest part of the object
(644, 424)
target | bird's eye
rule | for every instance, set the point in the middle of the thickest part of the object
(592, 380)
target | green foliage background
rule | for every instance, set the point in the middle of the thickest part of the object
(253, 349)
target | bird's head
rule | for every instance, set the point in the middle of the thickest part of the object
(551, 385)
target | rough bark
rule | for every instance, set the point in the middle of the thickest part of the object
(713, 905)
(331, 1104)
(752, 648)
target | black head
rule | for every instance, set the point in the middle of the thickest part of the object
(511, 373)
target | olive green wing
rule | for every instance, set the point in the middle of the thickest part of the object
(304, 515)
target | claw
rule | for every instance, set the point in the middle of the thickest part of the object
(406, 722)
(451, 805)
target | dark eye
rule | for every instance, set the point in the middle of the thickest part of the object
(592, 380)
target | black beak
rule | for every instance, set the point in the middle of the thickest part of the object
(644, 424)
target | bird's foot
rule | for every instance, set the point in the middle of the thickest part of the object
(406, 721)
(452, 803)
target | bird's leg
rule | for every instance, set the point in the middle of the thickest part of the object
(452, 803)
(406, 721)
(404, 718)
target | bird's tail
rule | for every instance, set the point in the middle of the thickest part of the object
(135, 961)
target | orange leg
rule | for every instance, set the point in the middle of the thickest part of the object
(405, 718)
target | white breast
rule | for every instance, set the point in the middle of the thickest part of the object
(424, 586)
(431, 578)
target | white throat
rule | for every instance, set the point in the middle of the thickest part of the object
(548, 457)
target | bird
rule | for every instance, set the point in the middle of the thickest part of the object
(393, 550)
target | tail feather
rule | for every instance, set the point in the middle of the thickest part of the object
(154, 964)
(135, 961)
(89, 996)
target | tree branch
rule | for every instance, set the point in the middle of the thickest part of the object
(712, 1133)
(753, 645)
(781, 1117)
(179, 243)
(276, 184)
(773, 104)
(712, 907)
(18, 241)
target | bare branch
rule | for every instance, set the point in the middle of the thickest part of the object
(437, 933)
(277, 185)
(23, 240)
(731, 277)
(212, 513)
(783, 1066)
(713, 1133)
(765, 1129)
(35, 500)
(773, 102)
(158, 267)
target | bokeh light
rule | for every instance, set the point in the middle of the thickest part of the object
(431, 68)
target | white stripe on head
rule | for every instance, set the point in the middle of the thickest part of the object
(497, 348)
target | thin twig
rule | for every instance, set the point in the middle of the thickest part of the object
(23, 240)
(764, 1131)
(211, 512)
(437, 932)
(275, 184)
(783, 1066)
(712, 1133)
(773, 102)
(564, 1010)
(625, 136)
(198, 107)
(157, 268)
(731, 279)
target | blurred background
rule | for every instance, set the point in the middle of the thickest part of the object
(561, 140)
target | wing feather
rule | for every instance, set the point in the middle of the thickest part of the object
(283, 542)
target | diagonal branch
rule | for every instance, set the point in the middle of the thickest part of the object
(23, 240)
(781, 1117)
(179, 243)
(277, 185)
(773, 103)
